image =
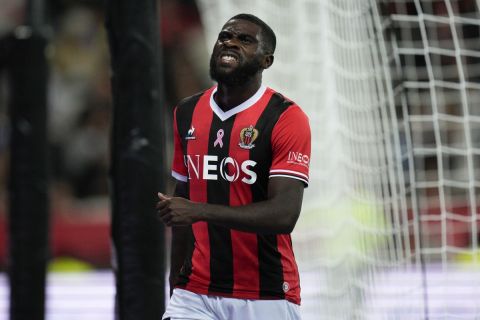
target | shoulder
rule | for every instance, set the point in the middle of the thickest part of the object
(295, 114)
(186, 106)
(290, 109)
(185, 102)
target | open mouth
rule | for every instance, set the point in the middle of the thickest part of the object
(228, 58)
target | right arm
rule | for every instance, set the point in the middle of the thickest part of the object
(182, 239)
(182, 236)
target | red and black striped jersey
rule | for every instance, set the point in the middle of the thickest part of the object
(227, 158)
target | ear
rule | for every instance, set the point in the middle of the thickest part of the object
(267, 61)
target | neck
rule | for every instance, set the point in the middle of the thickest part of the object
(228, 97)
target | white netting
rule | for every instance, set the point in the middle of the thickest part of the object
(392, 201)
(434, 52)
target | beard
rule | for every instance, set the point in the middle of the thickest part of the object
(239, 76)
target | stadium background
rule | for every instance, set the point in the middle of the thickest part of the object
(337, 276)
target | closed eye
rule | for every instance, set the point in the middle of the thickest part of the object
(246, 39)
(224, 35)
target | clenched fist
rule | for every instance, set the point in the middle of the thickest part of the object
(177, 211)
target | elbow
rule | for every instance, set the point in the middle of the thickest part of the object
(287, 224)
(289, 227)
(286, 229)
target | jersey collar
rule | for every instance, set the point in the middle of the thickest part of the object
(243, 106)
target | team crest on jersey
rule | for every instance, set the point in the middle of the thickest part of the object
(247, 137)
(190, 133)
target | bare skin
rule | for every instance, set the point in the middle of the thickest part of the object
(182, 240)
(276, 215)
(241, 41)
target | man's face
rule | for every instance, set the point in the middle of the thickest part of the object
(236, 56)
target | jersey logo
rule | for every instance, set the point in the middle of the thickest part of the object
(219, 141)
(298, 158)
(190, 135)
(247, 137)
(210, 167)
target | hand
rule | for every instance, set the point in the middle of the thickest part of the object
(176, 211)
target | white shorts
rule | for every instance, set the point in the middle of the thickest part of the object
(186, 305)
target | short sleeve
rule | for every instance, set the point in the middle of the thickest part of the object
(179, 170)
(291, 146)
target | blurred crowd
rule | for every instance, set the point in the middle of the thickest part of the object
(79, 97)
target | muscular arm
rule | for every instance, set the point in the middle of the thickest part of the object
(181, 241)
(278, 214)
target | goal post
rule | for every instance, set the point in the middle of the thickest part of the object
(393, 96)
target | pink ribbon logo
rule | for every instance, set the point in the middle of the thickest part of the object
(219, 141)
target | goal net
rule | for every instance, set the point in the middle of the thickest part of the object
(389, 224)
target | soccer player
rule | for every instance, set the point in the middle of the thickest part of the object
(241, 160)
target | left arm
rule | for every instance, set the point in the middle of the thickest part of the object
(278, 214)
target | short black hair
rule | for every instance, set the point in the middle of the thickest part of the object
(270, 40)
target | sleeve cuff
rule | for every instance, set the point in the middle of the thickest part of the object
(179, 176)
(289, 174)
